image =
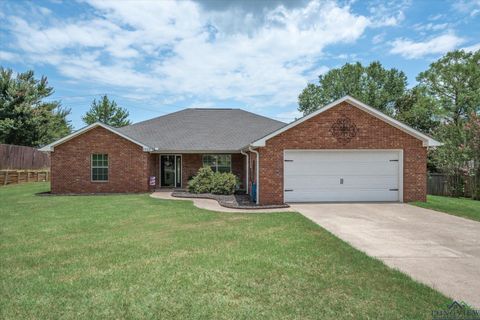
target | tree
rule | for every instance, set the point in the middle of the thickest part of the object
(373, 85)
(451, 158)
(107, 112)
(418, 110)
(25, 118)
(453, 82)
(472, 131)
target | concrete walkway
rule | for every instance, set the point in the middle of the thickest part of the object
(437, 249)
(213, 205)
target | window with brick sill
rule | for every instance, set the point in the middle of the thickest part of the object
(100, 167)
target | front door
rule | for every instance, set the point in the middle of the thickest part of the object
(171, 171)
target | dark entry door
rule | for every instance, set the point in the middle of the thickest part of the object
(171, 171)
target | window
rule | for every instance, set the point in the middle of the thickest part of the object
(99, 167)
(218, 162)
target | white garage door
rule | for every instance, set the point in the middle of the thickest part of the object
(316, 176)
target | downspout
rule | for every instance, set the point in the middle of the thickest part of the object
(247, 167)
(257, 173)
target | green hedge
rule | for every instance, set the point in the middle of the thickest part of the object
(207, 181)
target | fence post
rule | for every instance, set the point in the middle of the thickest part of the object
(6, 178)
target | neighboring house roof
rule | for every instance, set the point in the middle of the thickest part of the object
(51, 146)
(427, 141)
(204, 130)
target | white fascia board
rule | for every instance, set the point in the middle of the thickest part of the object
(50, 147)
(160, 151)
(427, 141)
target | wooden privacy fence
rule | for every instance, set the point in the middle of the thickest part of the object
(20, 176)
(441, 184)
(20, 164)
(25, 158)
(437, 184)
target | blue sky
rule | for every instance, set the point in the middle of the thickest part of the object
(156, 57)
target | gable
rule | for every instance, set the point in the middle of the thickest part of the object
(426, 140)
(50, 147)
(325, 131)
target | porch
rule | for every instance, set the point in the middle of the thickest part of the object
(174, 170)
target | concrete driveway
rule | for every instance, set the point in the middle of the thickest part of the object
(437, 249)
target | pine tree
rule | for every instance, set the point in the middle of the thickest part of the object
(107, 112)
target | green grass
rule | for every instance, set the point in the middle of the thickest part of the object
(462, 207)
(132, 256)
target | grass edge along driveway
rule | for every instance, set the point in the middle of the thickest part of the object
(461, 207)
(132, 256)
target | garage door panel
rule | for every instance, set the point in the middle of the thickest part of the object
(311, 176)
(334, 196)
(325, 182)
(332, 168)
(347, 156)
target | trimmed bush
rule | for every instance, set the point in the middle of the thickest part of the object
(206, 181)
(202, 181)
(224, 183)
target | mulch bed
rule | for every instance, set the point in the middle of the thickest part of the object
(235, 201)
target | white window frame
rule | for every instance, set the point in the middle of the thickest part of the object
(99, 167)
(216, 162)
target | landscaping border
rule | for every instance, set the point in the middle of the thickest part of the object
(227, 201)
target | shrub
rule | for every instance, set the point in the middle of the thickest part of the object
(202, 181)
(224, 183)
(207, 181)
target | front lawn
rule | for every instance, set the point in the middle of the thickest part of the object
(132, 257)
(462, 207)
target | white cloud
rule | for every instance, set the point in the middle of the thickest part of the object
(473, 47)
(431, 26)
(289, 116)
(470, 7)
(8, 56)
(179, 49)
(378, 38)
(437, 45)
(388, 13)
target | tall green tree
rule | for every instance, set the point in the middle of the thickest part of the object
(373, 84)
(107, 112)
(25, 117)
(453, 82)
(417, 109)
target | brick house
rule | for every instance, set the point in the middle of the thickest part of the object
(345, 151)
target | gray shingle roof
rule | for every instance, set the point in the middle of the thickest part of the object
(202, 130)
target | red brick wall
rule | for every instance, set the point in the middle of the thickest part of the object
(154, 169)
(191, 162)
(129, 166)
(314, 134)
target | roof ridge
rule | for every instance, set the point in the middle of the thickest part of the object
(259, 115)
(155, 118)
(213, 108)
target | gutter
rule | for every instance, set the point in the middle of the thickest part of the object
(257, 169)
(247, 167)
